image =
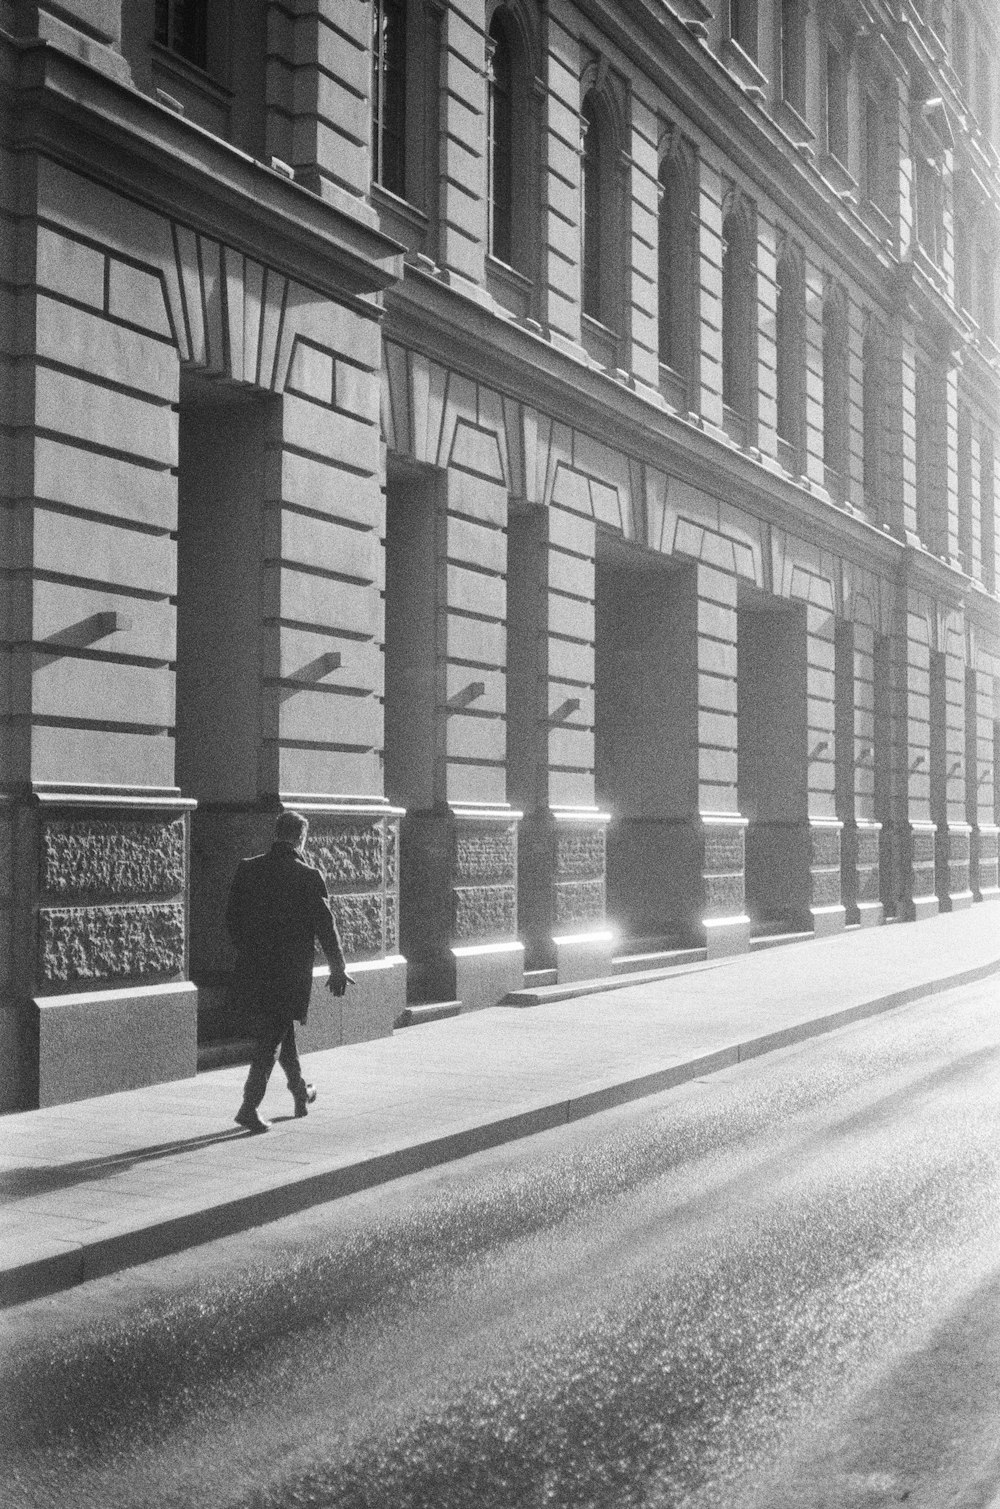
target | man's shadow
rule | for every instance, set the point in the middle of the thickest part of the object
(22, 1183)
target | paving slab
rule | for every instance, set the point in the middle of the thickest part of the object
(116, 1181)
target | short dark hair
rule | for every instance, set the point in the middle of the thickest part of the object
(291, 828)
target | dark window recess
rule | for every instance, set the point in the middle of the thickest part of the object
(182, 25)
(501, 146)
(592, 185)
(836, 106)
(789, 373)
(743, 25)
(793, 54)
(389, 95)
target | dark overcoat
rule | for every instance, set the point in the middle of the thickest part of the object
(277, 913)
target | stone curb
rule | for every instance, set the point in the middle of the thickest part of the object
(54, 1272)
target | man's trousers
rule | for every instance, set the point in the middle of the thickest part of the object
(273, 1037)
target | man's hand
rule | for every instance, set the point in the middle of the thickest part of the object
(339, 981)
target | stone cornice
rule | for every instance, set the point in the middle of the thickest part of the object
(139, 148)
(429, 317)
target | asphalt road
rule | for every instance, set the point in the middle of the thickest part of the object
(775, 1288)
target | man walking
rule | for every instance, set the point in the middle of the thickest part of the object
(277, 912)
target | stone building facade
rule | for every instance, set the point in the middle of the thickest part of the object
(553, 445)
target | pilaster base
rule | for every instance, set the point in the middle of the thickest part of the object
(720, 842)
(952, 856)
(459, 905)
(562, 892)
(859, 871)
(985, 845)
(917, 843)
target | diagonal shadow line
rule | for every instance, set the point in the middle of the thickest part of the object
(22, 1183)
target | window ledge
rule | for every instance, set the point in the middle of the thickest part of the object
(836, 175)
(795, 126)
(600, 342)
(507, 274)
(876, 219)
(402, 208)
(742, 66)
(166, 61)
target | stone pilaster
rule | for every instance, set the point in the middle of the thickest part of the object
(561, 179)
(551, 741)
(855, 773)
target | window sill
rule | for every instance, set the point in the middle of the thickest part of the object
(509, 288)
(789, 457)
(400, 219)
(736, 426)
(599, 342)
(795, 126)
(205, 102)
(743, 67)
(836, 175)
(674, 388)
(877, 220)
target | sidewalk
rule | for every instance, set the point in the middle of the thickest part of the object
(104, 1184)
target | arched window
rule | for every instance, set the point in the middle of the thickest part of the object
(835, 391)
(738, 311)
(675, 273)
(790, 357)
(389, 95)
(501, 145)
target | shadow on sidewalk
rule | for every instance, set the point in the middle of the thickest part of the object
(21, 1183)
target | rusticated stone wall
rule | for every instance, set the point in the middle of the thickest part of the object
(358, 857)
(111, 901)
(579, 874)
(484, 890)
(723, 874)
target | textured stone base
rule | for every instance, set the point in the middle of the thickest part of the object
(484, 976)
(101, 1041)
(368, 1010)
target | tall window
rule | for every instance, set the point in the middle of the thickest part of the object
(875, 164)
(790, 352)
(987, 301)
(738, 311)
(501, 131)
(929, 208)
(598, 210)
(389, 95)
(835, 387)
(988, 508)
(963, 264)
(872, 416)
(929, 407)
(793, 54)
(960, 44)
(743, 25)
(984, 92)
(965, 489)
(675, 267)
(836, 105)
(182, 25)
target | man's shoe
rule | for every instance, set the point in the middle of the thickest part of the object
(304, 1097)
(247, 1117)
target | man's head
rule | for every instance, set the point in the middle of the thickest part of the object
(291, 828)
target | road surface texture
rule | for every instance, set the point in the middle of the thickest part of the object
(774, 1288)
